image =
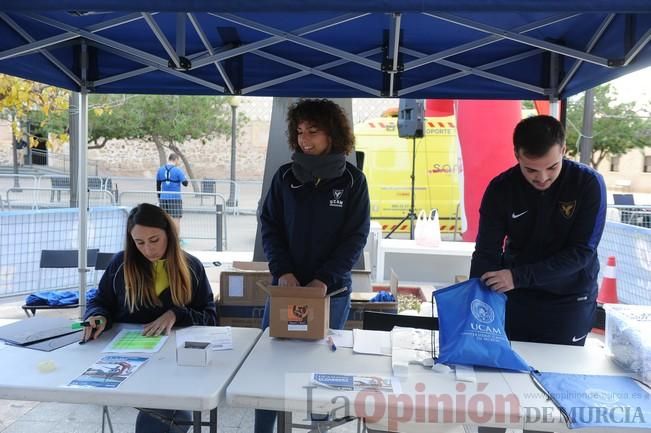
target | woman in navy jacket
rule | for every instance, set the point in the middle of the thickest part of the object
(155, 283)
(316, 216)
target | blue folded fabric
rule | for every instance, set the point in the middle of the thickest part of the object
(58, 298)
(383, 296)
(616, 402)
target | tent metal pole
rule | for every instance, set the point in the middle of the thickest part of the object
(82, 177)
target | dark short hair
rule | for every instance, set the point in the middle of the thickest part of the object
(325, 115)
(173, 157)
(535, 135)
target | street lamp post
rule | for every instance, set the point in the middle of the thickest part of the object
(234, 103)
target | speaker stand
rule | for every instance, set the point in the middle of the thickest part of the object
(411, 215)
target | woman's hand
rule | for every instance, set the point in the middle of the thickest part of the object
(288, 280)
(161, 326)
(96, 326)
(317, 283)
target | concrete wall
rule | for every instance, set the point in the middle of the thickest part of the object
(630, 177)
(209, 158)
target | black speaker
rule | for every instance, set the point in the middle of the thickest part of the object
(411, 116)
(359, 159)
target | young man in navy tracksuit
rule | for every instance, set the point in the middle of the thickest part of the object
(552, 213)
(540, 224)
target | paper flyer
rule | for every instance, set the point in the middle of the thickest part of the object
(109, 372)
(349, 382)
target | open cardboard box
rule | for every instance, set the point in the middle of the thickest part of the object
(299, 312)
(239, 286)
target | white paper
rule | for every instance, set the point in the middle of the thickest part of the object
(219, 337)
(236, 286)
(341, 337)
(372, 342)
(465, 373)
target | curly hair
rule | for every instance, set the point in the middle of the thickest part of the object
(325, 115)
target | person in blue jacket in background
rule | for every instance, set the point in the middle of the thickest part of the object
(155, 283)
(169, 179)
(540, 224)
(316, 216)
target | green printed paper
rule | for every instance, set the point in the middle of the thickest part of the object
(129, 340)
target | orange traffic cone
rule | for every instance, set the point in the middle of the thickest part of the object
(608, 289)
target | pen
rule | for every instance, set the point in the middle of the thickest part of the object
(84, 324)
(331, 343)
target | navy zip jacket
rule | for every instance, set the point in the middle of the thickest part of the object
(551, 236)
(110, 301)
(315, 231)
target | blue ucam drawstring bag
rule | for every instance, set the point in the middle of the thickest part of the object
(471, 327)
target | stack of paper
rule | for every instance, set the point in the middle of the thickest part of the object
(371, 342)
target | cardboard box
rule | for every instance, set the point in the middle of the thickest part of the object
(299, 312)
(241, 322)
(402, 290)
(242, 316)
(239, 286)
(361, 280)
(193, 353)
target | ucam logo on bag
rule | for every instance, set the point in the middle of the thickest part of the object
(471, 322)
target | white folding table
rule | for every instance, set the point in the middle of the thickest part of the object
(160, 383)
(276, 376)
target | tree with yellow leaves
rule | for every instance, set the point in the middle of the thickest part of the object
(20, 98)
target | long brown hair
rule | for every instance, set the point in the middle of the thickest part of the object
(139, 271)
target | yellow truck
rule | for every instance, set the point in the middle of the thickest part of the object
(388, 167)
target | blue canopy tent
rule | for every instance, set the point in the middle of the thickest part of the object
(479, 49)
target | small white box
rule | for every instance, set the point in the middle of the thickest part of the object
(194, 353)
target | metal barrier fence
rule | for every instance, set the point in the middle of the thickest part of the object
(250, 192)
(58, 161)
(49, 198)
(638, 215)
(242, 196)
(203, 214)
(17, 180)
(631, 247)
(24, 234)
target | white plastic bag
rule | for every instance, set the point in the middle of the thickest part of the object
(427, 231)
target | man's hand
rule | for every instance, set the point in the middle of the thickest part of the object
(161, 326)
(317, 283)
(288, 280)
(499, 281)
